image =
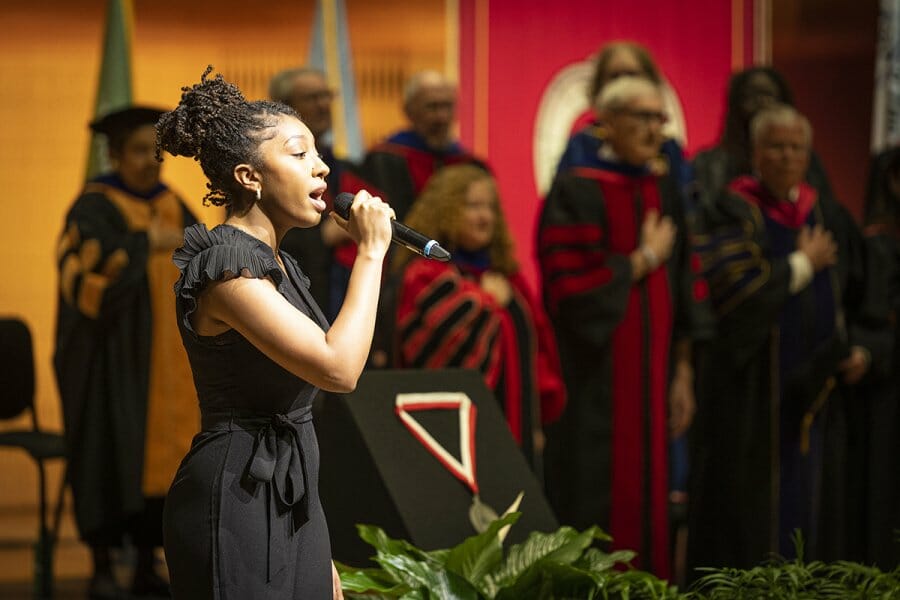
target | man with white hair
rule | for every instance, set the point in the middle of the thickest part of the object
(789, 287)
(626, 305)
(401, 165)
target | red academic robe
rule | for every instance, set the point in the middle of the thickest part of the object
(445, 319)
(606, 460)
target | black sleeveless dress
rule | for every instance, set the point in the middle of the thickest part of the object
(242, 518)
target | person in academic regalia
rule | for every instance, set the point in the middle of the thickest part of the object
(401, 165)
(622, 294)
(788, 277)
(122, 372)
(882, 231)
(477, 310)
(613, 60)
(749, 91)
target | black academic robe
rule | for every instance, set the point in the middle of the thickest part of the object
(881, 391)
(770, 445)
(401, 166)
(103, 348)
(606, 459)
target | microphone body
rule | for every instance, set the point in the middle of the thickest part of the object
(401, 234)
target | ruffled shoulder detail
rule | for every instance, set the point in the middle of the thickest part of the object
(220, 254)
(301, 276)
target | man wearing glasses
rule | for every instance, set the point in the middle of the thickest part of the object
(626, 304)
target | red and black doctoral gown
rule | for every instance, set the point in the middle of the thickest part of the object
(445, 319)
(401, 166)
(606, 460)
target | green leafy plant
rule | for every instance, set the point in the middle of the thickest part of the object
(562, 564)
(800, 580)
(567, 564)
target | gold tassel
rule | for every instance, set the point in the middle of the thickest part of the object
(810, 416)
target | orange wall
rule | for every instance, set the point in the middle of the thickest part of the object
(49, 62)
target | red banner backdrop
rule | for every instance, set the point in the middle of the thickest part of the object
(514, 55)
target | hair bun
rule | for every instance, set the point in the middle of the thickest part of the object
(184, 131)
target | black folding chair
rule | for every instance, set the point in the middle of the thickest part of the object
(17, 397)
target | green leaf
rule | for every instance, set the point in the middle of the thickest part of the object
(598, 561)
(639, 584)
(479, 554)
(438, 581)
(370, 580)
(554, 580)
(377, 538)
(563, 546)
(439, 556)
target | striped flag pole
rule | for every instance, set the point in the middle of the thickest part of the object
(114, 86)
(330, 52)
(886, 109)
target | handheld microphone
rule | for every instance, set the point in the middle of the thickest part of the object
(403, 235)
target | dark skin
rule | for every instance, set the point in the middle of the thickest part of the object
(758, 93)
(135, 162)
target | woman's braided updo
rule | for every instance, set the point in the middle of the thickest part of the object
(219, 128)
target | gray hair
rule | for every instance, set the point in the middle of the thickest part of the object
(778, 114)
(282, 83)
(421, 79)
(619, 92)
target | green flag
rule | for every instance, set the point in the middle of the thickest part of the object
(114, 86)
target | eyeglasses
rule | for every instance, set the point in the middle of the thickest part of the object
(617, 74)
(647, 117)
(784, 147)
(317, 96)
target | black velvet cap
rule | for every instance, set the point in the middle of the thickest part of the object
(123, 121)
(118, 125)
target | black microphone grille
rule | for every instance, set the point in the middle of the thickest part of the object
(342, 204)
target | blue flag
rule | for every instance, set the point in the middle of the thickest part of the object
(330, 52)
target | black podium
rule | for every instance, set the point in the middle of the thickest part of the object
(375, 471)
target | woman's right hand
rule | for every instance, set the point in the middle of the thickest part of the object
(369, 224)
(337, 592)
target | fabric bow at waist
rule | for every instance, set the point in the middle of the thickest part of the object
(277, 460)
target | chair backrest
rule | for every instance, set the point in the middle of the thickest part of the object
(16, 368)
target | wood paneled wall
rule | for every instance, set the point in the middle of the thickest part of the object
(49, 62)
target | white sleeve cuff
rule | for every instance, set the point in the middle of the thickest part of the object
(801, 271)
